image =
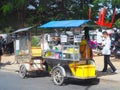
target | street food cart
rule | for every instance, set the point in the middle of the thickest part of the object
(66, 58)
(28, 51)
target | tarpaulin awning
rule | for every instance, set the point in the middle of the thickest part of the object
(22, 29)
(64, 24)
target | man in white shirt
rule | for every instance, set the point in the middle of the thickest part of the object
(106, 52)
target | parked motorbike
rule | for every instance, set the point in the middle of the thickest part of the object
(112, 49)
(117, 50)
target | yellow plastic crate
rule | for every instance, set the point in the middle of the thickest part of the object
(36, 51)
(83, 71)
(86, 71)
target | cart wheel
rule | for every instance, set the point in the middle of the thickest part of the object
(58, 77)
(22, 71)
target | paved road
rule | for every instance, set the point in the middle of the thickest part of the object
(12, 81)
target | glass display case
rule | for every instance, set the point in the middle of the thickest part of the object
(22, 52)
(26, 48)
(66, 50)
(70, 52)
(21, 46)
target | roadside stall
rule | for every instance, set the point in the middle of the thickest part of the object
(28, 51)
(68, 54)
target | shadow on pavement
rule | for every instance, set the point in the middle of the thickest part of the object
(115, 60)
(86, 82)
(37, 74)
(99, 73)
(4, 64)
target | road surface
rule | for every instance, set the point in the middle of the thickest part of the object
(12, 81)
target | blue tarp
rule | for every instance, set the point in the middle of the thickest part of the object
(64, 24)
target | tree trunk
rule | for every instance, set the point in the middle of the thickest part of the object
(20, 17)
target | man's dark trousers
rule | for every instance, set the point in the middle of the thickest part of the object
(108, 62)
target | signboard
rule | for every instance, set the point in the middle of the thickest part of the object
(17, 45)
(77, 38)
(49, 38)
(63, 38)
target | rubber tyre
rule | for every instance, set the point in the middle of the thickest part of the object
(58, 77)
(22, 71)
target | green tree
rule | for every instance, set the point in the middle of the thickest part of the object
(16, 8)
(117, 23)
(15, 14)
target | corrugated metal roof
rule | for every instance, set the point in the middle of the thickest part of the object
(22, 30)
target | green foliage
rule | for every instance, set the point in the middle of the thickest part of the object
(15, 12)
(117, 24)
(8, 29)
(7, 8)
(19, 3)
(41, 9)
(12, 5)
(34, 41)
(116, 3)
